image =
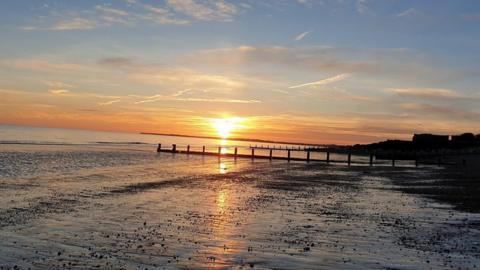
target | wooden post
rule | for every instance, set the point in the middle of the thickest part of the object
(288, 154)
(271, 154)
(159, 148)
(371, 159)
(253, 153)
(349, 157)
(236, 151)
(188, 149)
(219, 150)
(328, 156)
(393, 159)
(308, 155)
(203, 150)
(174, 148)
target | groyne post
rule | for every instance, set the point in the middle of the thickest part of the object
(308, 155)
(271, 154)
(203, 149)
(188, 149)
(174, 148)
(219, 150)
(371, 159)
(393, 159)
(253, 153)
(288, 155)
(328, 156)
(349, 157)
(236, 151)
(159, 148)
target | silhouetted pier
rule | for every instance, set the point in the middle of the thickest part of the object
(340, 155)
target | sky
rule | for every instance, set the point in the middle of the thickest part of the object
(316, 71)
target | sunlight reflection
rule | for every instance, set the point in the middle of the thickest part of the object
(221, 201)
(224, 145)
(222, 168)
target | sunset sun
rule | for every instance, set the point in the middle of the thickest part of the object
(225, 126)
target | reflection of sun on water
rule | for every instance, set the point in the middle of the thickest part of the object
(224, 144)
(221, 201)
(222, 168)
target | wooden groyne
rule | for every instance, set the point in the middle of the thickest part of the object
(368, 158)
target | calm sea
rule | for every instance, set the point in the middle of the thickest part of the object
(26, 135)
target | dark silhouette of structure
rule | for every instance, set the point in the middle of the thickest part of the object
(430, 141)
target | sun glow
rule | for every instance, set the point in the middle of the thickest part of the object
(225, 126)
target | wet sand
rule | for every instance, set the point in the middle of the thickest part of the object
(98, 209)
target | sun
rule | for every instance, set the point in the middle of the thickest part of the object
(225, 126)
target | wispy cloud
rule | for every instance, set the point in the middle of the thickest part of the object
(59, 91)
(322, 82)
(363, 8)
(43, 65)
(442, 111)
(424, 92)
(302, 35)
(176, 12)
(410, 13)
(396, 64)
(174, 97)
(110, 10)
(205, 11)
(106, 103)
(74, 24)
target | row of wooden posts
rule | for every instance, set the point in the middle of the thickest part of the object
(270, 156)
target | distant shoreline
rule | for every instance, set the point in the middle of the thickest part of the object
(230, 139)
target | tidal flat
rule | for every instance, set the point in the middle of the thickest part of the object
(78, 207)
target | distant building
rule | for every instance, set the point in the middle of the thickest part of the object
(430, 140)
(464, 138)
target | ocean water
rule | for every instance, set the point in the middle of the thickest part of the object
(96, 200)
(26, 135)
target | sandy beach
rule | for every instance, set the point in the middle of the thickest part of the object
(71, 207)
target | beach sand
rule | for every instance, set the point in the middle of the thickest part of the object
(72, 207)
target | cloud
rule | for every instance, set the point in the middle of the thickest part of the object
(363, 8)
(58, 88)
(106, 103)
(186, 78)
(58, 91)
(322, 82)
(315, 59)
(43, 65)
(106, 15)
(205, 10)
(395, 64)
(74, 24)
(116, 61)
(111, 10)
(425, 92)
(304, 2)
(181, 92)
(444, 112)
(410, 13)
(174, 97)
(302, 35)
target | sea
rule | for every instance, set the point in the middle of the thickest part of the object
(76, 199)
